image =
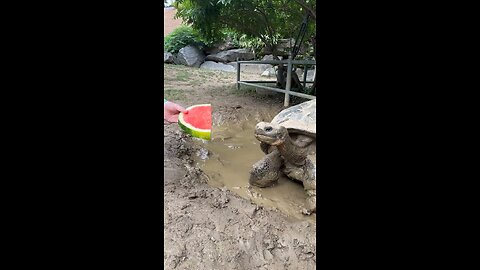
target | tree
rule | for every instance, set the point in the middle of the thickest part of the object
(268, 20)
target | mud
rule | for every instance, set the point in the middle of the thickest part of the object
(228, 158)
(206, 225)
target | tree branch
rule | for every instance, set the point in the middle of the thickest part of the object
(268, 25)
(309, 9)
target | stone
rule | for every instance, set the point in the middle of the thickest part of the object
(269, 72)
(268, 57)
(254, 68)
(217, 66)
(168, 57)
(267, 255)
(283, 48)
(190, 56)
(222, 46)
(233, 64)
(310, 74)
(231, 55)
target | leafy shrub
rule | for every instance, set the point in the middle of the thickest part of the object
(181, 37)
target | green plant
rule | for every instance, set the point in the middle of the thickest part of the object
(181, 37)
(265, 20)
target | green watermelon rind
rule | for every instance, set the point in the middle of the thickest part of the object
(189, 129)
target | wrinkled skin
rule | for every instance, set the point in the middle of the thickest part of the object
(299, 163)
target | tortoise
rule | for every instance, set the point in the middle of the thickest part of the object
(289, 142)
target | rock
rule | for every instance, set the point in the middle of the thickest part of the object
(269, 72)
(168, 57)
(231, 55)
(310, 74)
(268, 57)
(223, 46)
(203, 153)
(252, 68)
(217, 66)
(190, 56)
(283, 48)
(267, 255)
(250, 210)
(299, 72)
(255, 68)
(176, 61)
(233, 64)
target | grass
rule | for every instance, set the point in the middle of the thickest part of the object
(182, 76)
(174, 94)
(245, 90)
(192, 77)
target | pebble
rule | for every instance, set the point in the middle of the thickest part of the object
(267, 255)
(203, 153)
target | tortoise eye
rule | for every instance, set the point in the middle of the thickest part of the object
(268, 129)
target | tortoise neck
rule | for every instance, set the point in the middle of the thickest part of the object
(291, 152)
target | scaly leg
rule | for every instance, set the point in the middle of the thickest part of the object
(267, 170)
(310, 185)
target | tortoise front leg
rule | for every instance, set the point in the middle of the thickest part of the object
(310, 186)
(311, 203)
(267, 170)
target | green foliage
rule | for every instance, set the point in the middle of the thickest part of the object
(254, 22)
(181, 37)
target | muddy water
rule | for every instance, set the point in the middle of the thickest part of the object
(227, 160)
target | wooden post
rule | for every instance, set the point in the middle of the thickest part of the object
(305, 76)
(289, 81)
(238, 74)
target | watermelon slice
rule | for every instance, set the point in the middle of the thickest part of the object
(197, 121)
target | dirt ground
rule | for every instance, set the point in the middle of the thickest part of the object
(206, 227)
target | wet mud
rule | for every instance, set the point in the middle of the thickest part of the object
(212, 219)
(228, 158)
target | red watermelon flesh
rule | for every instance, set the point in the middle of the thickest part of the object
(200, 117)
(197, 121)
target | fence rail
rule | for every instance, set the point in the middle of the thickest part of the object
(290, 63)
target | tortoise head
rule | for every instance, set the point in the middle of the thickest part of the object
(269, 133)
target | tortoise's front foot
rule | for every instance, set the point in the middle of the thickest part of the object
(266, 171)
(311, 203)
(262, 180)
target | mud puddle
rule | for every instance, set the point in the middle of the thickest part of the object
(227, 160)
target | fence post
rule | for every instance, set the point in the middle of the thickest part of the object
(238, 75)
(305, 76)
(289, 81)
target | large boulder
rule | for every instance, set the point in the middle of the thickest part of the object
(310, 74)
(222, 46)
(190, 56)
(231, 55)
(270, 72)
(168, 57)
(217, 66)
(285, 45)
(283, 48)
(268, 57)
(252, 68)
